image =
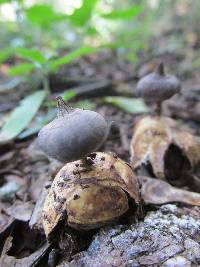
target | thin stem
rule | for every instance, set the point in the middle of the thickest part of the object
(86, 164)
(18, 8)
(160, 69)
(158, 108)
(45, 83)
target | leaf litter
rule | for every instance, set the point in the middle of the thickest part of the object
(20, 215)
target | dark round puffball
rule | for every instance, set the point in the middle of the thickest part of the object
(74, 135)
(156, 88)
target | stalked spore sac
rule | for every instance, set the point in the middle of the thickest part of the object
(157, 87)
(73, 134)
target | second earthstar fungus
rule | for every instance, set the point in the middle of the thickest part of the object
(157, 87)
(161, 148)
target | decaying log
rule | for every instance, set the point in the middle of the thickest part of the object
(168, 237)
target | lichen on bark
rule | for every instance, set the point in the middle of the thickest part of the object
(167, 237)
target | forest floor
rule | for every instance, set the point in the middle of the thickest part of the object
(167, 234)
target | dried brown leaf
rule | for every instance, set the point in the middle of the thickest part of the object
(20, 210)
(154, 191)
(10, 261)
(36, 217)
(5, 220)
(169, 150)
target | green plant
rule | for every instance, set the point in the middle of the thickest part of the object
(39, 47)
(17, 122)
(43, 63)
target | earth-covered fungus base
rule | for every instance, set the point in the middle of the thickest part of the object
(89, 193)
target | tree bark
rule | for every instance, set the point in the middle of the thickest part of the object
(167, 237)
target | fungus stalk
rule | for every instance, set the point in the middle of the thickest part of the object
(160, 70)
(158, 108)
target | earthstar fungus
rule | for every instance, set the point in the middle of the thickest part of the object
(74, 134)
(93, 188)
(157, 87)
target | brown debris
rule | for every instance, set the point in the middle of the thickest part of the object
(35, 222)
(10, 261)
(186, 105)
(154, 191)
(5, 220)
(21, 210)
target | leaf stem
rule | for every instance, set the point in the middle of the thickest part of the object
(45, 83)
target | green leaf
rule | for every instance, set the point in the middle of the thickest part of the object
(131, 105)
(85, 104)
(4, 1)
(43, 15)
(69, 94)
(31, 54)
(54, 64)
(83, 14)
(22, 116)
(31, 131)
(92, 31)
(5, 54)
(23, 68)
(123, 14)
(38, 125)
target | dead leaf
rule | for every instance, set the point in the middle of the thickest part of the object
(20, 210)
(166, 151)
(8, 190)
(150, 141)
(154, 191)
(6, 158)
(10, 261)
(5, 220)
(36, 217)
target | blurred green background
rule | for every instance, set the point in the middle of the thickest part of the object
(40, 37)
(52, 27)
